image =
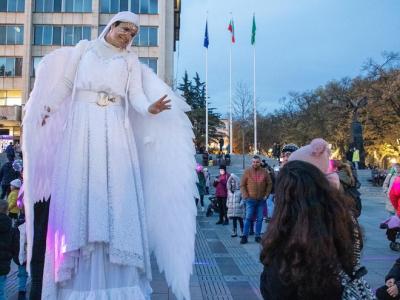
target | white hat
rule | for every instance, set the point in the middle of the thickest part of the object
(123, 16)
(16, 183)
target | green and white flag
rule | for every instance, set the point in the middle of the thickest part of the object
(253, 31)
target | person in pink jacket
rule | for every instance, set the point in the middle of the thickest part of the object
(394, 195)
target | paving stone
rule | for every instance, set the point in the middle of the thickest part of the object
(242, 290)
(228, 266)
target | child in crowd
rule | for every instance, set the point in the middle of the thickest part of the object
(12, 199)
(9, 244)
(234, 204)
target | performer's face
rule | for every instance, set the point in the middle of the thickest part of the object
(121, 36)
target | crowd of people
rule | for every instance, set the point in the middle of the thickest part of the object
(311, 248)
(12, 223)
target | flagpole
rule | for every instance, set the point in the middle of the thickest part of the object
(230, 86)
(230, 101)
(207, 99)
(254, 99)
(205, 44)
(253, 42)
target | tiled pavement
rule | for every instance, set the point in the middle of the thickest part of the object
(224, 269)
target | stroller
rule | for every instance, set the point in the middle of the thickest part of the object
(392, 226)
(212, 207)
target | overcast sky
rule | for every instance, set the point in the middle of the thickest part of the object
(300, 44)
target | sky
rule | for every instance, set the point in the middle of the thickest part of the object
(300, 44)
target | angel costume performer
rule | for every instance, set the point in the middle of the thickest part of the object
(108, 165)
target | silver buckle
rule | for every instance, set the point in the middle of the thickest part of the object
(105, 99)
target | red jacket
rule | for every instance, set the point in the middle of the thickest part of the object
(220, 186)
(394, 195)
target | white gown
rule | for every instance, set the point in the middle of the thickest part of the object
(99, 227)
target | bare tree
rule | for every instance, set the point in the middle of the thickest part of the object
(242, 107)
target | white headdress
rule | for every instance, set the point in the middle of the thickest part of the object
(123, 16)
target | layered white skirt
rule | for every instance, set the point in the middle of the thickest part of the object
(97, 245)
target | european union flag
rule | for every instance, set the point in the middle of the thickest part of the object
(206, 36)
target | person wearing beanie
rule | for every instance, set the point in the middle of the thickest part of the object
(317, 153)
(221, 192)
(286, 151)
(12, 199)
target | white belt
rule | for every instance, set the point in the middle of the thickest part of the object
(99, 98)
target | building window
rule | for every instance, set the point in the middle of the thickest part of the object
(144, 6)
(35, 63)
(47, 35)
(12, 5)
(63, 6)
(11, 34)
(136, 6)
(10, 66)
(101, 28)
(148, 36)
(56, 35)
(150, 61)
(10, 97)
(73, 34)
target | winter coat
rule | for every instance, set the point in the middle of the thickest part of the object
(8, 174)
(394, 272)
(220, 186)
(9, 244)
(394, 195)
(201, 184)
(12, 202)
(207, 177)
(272, 287)
(255, 184)
(386, 187)
(235, 208)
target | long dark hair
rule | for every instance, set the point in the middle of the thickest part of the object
(311, 235)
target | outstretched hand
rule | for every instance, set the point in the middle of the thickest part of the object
(160, 105)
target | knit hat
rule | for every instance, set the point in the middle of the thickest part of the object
(316, 153)
(17, 165)
(222, 167)
(16, 183)
(289, 148)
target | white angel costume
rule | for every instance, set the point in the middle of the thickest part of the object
(108, 165)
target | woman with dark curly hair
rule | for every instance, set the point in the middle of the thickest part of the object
(311, 239)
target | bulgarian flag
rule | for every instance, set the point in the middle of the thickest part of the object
(231, 28)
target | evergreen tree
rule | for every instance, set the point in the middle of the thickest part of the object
(194, 91)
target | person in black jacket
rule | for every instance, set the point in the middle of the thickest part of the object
(9, 246)
(310, 239)
(390, 291)
(7, 174)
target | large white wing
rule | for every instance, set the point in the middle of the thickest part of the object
(166, 152)
(39, 142)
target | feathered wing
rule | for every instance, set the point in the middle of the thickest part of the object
(166, 152)
(40, 142)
